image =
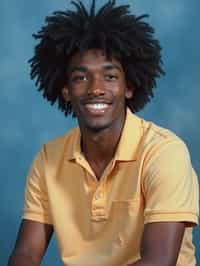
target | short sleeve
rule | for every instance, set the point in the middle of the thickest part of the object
(36, 205)
(170, 185)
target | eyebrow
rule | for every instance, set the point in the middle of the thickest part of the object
(112, 66)
(85, 69)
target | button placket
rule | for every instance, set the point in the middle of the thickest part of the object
(98, 195)
(98, 205)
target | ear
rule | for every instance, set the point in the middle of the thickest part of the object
(65, 94)
(129, 93)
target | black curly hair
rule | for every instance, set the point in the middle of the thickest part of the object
(114, 30)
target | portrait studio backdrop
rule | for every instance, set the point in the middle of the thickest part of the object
(27, 121)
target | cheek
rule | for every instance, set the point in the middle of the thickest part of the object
(76, 91)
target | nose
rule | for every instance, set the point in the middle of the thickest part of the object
(96, 87)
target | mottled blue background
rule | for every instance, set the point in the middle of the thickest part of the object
(27, 120)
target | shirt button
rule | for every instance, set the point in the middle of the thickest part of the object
(98, 195)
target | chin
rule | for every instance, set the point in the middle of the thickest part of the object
(97, 126)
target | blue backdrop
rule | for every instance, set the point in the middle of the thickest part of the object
(27, 120)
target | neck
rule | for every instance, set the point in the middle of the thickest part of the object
(100, 146)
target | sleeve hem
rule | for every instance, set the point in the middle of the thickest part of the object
(37, 217)
(190, 218)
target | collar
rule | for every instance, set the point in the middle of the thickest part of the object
(128, 144)
(130, 138)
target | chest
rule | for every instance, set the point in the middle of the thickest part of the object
(78, 186)
(99, 215)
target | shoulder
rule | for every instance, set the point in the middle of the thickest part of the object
(61, 140)
(56, 148)
(165, 155)
(157, 139)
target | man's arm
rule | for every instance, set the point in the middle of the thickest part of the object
(161, 244)
(32, 241)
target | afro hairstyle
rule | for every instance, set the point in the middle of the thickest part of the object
(112, 29)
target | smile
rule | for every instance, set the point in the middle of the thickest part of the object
(97, 107)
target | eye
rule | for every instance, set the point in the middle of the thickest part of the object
(111, 77)
(79, 78)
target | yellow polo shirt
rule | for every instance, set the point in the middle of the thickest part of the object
(100, 223)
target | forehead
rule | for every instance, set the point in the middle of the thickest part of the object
(93, 58)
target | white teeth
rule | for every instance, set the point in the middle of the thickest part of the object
(97, 106)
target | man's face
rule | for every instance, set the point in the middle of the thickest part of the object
(97, 90)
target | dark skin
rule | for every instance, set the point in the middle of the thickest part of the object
(92, 79)
(32, 241)
(161, 243)
(97, 90)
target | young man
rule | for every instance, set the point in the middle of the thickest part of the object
(117, 190)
